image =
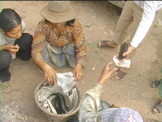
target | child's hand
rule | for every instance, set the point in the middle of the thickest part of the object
(13, 48)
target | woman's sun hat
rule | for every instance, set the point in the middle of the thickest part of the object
(58, 11)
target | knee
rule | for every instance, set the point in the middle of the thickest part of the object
(5, 58)
(27, 38)
(25, 41)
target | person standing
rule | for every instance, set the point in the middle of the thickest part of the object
(136, 20)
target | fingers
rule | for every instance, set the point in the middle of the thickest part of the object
(18, 47)
(51, 79)
(125, 54)
(114, 69)
(14, 48)
(108, 64)
(77, 73)
(77, 76)
(130, 49)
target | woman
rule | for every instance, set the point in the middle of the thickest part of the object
(59, 40)
(14, 43)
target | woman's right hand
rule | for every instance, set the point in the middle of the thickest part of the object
(49, 74)
(12, 48)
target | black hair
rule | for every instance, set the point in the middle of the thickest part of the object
(68, 23)
(9, 19)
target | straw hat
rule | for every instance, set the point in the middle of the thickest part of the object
(58, 11)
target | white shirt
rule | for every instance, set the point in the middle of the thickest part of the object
(150, 8)
(6, 40)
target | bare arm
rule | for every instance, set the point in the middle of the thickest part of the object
(10, 48)
(49, 72)
(4, 47)
(80, 49)
(37, 48)
(106, 73)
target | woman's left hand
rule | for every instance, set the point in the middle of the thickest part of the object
(77, 72)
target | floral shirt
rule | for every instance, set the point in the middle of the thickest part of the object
(45, 32)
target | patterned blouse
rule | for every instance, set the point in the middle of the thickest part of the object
(45, 32)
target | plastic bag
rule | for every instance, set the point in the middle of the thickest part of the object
(125, 64)
(65, 81)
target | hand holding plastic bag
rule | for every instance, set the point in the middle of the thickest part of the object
(66, 81)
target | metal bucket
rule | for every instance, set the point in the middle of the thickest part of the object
(55, 117)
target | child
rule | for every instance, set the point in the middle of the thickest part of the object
(14, 43)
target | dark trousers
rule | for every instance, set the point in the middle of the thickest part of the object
(24, 42)
(24, 54)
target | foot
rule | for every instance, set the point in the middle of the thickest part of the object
(120, 73)
(158, 108)
(5, 87)
(155, 83)
(105, 43)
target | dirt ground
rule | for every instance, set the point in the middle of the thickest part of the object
(133, 91)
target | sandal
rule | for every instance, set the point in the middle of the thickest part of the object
(120, 74)
(104, 44)
(5, 87)
(158, 108)
(155, 83)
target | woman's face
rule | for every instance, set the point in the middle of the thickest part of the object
(15, 32)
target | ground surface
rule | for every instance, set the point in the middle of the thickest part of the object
(133, 91)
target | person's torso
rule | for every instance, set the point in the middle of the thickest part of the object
(151, 3)
(56, 38)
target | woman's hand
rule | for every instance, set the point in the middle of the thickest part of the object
(11, 48)
(78, 71)
(106, 73)
(49, 74)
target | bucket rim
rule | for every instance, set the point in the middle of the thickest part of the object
(52, 114)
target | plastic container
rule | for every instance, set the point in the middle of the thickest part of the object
(55, 117)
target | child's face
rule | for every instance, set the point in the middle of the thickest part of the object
(15, 32)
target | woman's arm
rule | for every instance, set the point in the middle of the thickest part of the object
(10, 48)
(38, 44)
(49, 72)
(4, 47)
(37, 48)
(80, 49)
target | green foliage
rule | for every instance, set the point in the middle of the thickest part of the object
(160, 88)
